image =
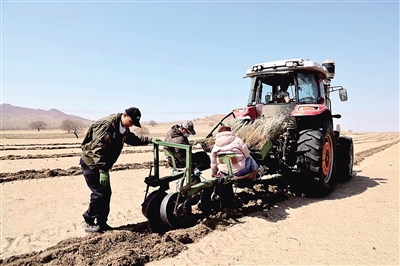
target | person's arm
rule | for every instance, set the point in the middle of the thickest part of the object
(134, 140)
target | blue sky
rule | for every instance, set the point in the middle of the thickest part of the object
(180, 60)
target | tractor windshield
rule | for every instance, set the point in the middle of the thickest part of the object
(307, 87)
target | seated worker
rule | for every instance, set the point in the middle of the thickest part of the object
(179, 134)
(227, 142)
(282, 96)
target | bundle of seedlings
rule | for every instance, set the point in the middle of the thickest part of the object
(255, 134)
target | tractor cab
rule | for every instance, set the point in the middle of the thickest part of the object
(281, 85)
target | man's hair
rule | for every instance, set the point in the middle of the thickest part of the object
(224, 128)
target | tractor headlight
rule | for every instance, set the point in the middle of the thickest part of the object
(257, 68)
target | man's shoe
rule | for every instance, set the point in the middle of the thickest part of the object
(88, 220)
(92, 228)
(105, 227)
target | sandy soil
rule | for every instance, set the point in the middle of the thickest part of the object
(41, 222)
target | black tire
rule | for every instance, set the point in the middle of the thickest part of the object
(214, 199)
(345, 159)
(318, 151)
(207, 204)
(151, 207)
(168, 215)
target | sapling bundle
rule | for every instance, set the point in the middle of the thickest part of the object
(255, 134)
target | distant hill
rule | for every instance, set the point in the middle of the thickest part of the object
(15, 117)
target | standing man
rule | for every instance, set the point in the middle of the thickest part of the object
(100, 150)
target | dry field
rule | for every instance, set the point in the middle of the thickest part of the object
(43, 196)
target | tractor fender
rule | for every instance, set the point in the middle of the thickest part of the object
(247, 113)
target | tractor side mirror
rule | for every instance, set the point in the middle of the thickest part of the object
(343, 95)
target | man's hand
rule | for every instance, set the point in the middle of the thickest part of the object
(155, 140)
(104, 179)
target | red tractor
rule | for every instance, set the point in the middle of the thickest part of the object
(308, 145)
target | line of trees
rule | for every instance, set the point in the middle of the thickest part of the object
(69, 125)
(76, 126)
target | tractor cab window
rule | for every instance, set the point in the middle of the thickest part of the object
(261, 92)
(266, 95)
(266, 89)
(322, 89)
(307, 88)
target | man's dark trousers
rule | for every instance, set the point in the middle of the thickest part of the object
(99, 206)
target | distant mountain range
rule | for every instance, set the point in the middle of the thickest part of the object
(15, 117)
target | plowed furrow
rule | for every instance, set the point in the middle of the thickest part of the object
(362, 155)
(61, 155)
(72, 171)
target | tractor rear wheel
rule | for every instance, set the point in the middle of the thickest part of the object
(345, 159)
(319, 154)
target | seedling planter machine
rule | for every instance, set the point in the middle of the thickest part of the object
(304, 144)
